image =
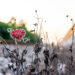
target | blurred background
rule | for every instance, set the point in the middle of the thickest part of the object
(54, 12)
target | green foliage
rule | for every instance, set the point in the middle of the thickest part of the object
(6, 35)
(31, 36)
(3, 30)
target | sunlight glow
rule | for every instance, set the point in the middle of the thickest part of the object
(53, 11)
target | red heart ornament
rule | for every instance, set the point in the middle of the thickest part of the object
(18, 34)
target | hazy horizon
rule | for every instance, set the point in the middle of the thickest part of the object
(53, 11)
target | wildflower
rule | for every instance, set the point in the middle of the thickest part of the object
(17, 34)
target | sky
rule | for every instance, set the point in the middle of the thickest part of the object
(53, 11)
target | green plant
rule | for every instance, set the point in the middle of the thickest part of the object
(4, 33)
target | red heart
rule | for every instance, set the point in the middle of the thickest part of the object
(18, 34)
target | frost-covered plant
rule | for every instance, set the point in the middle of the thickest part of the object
(17, 61)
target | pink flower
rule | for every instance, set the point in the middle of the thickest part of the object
(18, 34)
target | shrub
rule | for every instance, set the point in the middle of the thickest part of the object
(6, 35)
(3, 31)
